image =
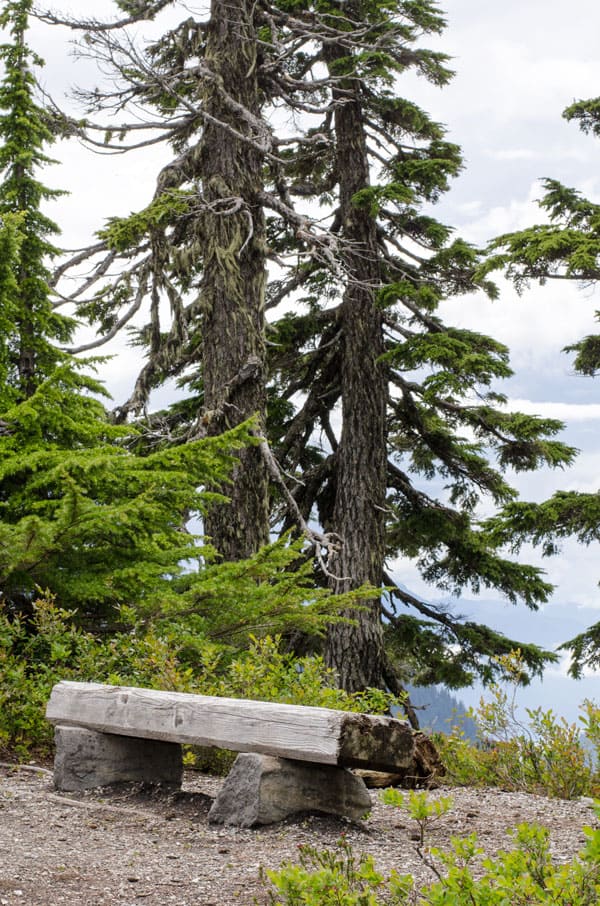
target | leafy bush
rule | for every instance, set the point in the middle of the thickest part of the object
(335, 878)
(36, 653)
(275, 676)
(422, 810)
(542, 753)
(521, 876)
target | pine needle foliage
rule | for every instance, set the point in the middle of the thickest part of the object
(82, 515)
(359, 285)
(566, 247)
(83, 512)
(24, 132)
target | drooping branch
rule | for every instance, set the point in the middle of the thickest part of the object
(112, 333)
(323, 543)
(149, 9)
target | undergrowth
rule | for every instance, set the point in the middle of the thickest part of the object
(530, 750)
(522, 875)
(537, 752)
(50, 646)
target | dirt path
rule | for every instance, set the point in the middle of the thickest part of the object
(135, 847)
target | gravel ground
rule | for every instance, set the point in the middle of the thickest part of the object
(131, 847)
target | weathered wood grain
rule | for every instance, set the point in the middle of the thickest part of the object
(291, 731)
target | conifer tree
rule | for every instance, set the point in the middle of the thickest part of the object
(565, 247)
(10, 242)
(219, 246)
(71, 518)
(81, 514)
(24, 133)
(353, 322)
(396, 265)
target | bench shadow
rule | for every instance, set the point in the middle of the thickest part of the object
(167, 802)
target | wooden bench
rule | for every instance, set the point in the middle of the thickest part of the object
(295, 757)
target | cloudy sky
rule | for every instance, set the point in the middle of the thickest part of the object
(518, 64)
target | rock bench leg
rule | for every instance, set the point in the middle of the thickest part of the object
(86, 759)
(261, 789)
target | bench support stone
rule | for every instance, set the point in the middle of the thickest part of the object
(87, 758)
(263, 789)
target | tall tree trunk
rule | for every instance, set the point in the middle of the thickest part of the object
(233, 354)
(356, 651)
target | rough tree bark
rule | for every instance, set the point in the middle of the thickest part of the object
(233, 353)
(356, 650)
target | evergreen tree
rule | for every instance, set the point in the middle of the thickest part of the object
(218, 250)
(30, 346)
(396, 265)
(10, 242)
(566, 247)
(106, 530)
(353, 309)
(64, 523)
(232, 250)
(82, 514)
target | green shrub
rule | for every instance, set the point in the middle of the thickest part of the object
(266, 673)
(540, 753)
(590, 720)
(422, 810)
(523, 875)
(335, 878)
(50, 646)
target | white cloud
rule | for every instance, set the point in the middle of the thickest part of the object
(584, 474)
(521, 59)
(574, 572)
(512, 214)
(514, 154)
(535, 326)
(556, 152)
(560, 670)
(469, 209)
(571, 412)
(99, 186)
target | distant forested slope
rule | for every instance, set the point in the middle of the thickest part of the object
(438, 710)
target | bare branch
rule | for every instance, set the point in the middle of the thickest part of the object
(148, 11)
(118, 325)
(321, 541)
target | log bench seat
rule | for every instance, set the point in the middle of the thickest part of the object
(295, 758)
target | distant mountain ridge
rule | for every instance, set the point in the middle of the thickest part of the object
(439, 710)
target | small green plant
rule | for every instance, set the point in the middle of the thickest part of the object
(421, 808)
(466, 764)
(523, 875)
(537, 752)
(334, 878)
